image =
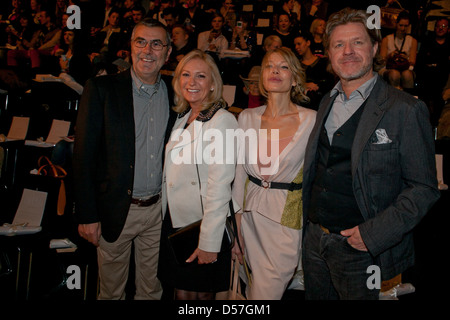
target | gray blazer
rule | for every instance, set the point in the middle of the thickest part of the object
(394, 183)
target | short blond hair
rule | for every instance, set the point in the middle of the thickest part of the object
(297, 94)
(213, 97)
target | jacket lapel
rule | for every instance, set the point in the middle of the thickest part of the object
(310, 155)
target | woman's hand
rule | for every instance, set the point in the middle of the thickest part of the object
(204, 257)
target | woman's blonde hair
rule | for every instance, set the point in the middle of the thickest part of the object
(315, 24)
(271, 39)
(298, 91)
(214, 95)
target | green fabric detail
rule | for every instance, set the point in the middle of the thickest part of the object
(293, 210)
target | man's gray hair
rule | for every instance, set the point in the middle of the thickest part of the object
(152, 23)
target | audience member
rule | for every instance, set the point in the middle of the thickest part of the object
(245, 39)
(270, 222)
(283, 29)
(270, 43)
(230, 17)
(213, 41)
(317, 30)
(73, 58)
(405, 44)
(35, 8)
(60, 9)
(443, 128)
(313, 9)
(18, 7)
(181, 46)
(198, 189)
(163, 4)
(171, 17)
(288, 6)
(22, 35)
(43, 43)
(194, 18)
(127, 9)
(433, 66)
(250, 95)
(318, 80)
(108, 41)
(137, 14)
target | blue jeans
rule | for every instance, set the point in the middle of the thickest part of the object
(333, 269)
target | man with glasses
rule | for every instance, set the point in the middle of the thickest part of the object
(121, 130)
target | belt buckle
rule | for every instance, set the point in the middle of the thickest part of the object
(265, 184)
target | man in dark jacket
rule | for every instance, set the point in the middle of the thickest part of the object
(121, 129)
(369, 172)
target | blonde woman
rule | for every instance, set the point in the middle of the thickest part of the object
(270, 223)
(196, 185)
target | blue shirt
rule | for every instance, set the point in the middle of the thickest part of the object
(151, 114)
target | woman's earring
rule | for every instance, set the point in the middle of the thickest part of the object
(212, 89)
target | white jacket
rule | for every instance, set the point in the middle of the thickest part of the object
(180, 188)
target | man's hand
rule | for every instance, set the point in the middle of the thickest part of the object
(91, 232)
(354, 238)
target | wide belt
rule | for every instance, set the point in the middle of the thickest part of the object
(145, 202)
(275, 185)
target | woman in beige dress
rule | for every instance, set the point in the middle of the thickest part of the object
(270, 221)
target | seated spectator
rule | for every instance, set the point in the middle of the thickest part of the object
(170, 16)
(228, 12)
(433, 66)
(317, 30)
(159, 15)
(108, 41)
(213, 41)
(137, 14)
(399, 42)
(313, 9)
(181, 45)
(270, 43)
(22, 35)
(43, 43)
(283, 29)
(75, 65)
(250, 96)
(243, 38)
(194, 18)
(318, 80)
(35, 8)
(443, 128)
(18, 7)
(60, 9)
(290, 7)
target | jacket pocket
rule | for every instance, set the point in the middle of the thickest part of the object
(382, 159)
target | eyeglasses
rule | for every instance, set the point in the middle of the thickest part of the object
(443, 26)
(156, 45)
